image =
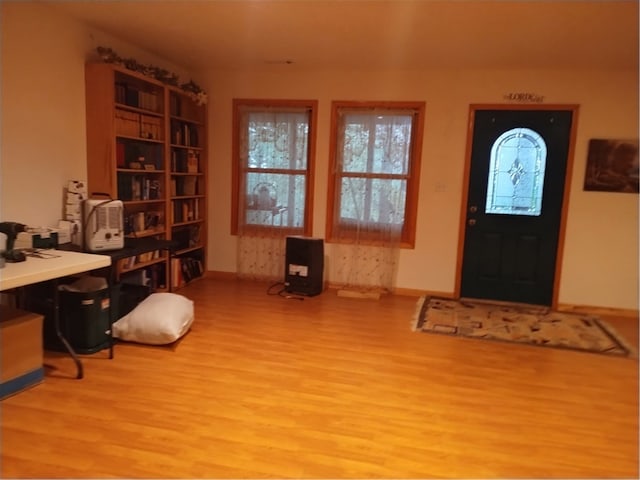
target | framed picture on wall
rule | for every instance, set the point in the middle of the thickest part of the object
(612, 166)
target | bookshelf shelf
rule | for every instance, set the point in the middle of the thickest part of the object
(124, 106)
(187, 174)
(191, 222)
(186, 197)
(187, 120)
(143, 202)
(187, 250)
(146, 145)
(138, 264)
(185, 147)
(141, 171)
(139, 139)
(148, 233)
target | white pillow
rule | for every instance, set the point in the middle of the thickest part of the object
(159, 319)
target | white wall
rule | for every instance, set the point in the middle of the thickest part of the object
(600, 263)
(43, 146)
(43, 140)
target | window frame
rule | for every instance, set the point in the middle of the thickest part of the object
(240, 171)
(335, 234)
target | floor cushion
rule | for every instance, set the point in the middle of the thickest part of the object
(159, 319)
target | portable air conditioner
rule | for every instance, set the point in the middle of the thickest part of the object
(103, 224)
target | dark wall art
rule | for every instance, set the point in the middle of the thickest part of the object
(612, 166)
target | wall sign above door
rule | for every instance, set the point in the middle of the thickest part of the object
(524, 97)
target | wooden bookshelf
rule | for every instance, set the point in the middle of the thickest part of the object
(146, 145)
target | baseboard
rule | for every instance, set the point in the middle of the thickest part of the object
(410, 292)
(342, 292)
(562, 307)
(218, 275)
(15, 385)
(617, 312)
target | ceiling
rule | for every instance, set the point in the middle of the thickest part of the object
(373, 34)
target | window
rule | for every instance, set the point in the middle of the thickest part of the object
(273, 147)
(516, 173)
(374, 171)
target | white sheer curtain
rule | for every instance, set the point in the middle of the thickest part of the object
(273, 148)
(372, 163)
(261, 257)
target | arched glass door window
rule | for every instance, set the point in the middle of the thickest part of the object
(516, 173)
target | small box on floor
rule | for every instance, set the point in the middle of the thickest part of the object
(20, 350)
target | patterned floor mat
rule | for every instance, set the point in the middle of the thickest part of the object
(524, 324)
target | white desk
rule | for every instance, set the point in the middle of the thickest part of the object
(35, 270)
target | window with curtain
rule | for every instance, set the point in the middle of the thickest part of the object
(375, 166)
(273, 151)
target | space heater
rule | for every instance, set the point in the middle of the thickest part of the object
(103, 224)
(304, 265)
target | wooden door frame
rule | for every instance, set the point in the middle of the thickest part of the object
(573, 108)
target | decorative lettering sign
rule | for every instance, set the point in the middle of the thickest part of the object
(524, 97)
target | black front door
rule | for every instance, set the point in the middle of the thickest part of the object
(515, 198)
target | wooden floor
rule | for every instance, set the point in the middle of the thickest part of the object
(328, 387)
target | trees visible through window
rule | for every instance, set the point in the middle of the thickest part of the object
(273, 152)
(374, 171)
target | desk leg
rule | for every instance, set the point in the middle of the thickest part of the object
(170, 267)
(56, 324)
(113, 279)
(111, 320)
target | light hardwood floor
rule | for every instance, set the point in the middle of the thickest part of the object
(328, 387)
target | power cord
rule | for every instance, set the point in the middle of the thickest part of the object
(282, 292)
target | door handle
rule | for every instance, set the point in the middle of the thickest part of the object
(472, 222)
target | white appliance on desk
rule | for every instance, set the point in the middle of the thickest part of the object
(103, 224)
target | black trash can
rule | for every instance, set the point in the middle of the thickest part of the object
(85, 318)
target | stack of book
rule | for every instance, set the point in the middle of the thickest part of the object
(184, 270)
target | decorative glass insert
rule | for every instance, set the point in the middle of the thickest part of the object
(516, 173)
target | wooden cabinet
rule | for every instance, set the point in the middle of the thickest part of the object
(146, 146)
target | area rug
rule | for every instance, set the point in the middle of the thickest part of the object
(530, 325)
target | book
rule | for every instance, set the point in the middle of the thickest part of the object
(190, 186)
(192, 161)
(120, 161)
